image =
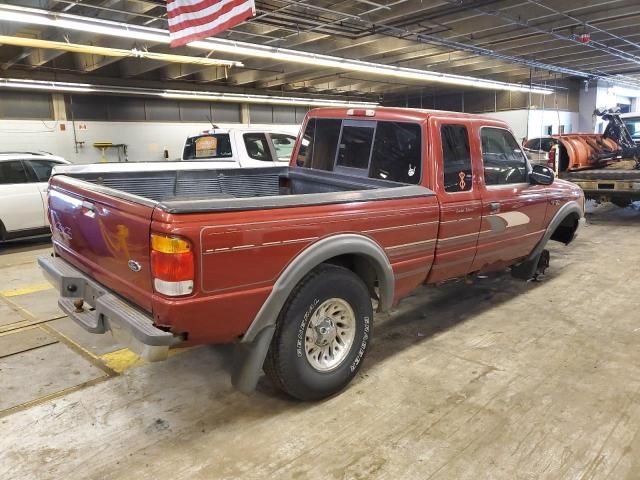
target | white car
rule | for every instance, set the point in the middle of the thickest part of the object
(212, 149)
(240, 147)
(23, 193)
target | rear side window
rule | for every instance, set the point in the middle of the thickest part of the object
(319, 143)
(12, 172)
(41, 169)
(397, 152)
(208, 146)
(257, 146)
(546, 144)
(504, 162)
(456, 158)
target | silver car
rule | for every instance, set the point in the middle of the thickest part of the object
(537, 149)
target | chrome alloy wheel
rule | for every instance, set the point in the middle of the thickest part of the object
(329, 335)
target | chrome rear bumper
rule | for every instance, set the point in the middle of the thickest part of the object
(97, 310)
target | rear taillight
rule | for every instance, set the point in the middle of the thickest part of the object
(551, 159)
(172, 265)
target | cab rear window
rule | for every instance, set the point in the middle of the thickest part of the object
(385, 150)
(208, 146)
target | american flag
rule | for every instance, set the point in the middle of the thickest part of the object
(191, 20)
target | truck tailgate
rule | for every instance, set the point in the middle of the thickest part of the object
(104, 236)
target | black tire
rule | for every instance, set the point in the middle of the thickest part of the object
(621, 202)
(287, 365)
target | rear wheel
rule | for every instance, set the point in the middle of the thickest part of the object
(621, 202)
(322, 334)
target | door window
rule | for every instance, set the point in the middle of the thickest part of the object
(397, 152)
(257, 146)
(283, 145)
(456, 158)
(41, 169)
(12, 172)
(354, 150)
(504, 162)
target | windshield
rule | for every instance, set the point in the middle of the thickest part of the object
(208, 146)
(633, 125)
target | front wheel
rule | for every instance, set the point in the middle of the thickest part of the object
(322, 334)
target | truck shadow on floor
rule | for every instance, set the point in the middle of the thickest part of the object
(609, 214)
(26, 245)
(431, 310)
(417, 320)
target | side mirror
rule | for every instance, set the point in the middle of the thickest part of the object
(541, 175)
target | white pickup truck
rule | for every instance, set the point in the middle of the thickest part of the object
(244, 147)
(217, 148)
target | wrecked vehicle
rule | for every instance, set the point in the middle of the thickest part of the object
(606, 166)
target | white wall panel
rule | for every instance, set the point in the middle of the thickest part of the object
(146, 140)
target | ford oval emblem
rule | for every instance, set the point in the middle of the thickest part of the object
(135, 266)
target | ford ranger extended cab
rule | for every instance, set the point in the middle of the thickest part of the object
(288, 263)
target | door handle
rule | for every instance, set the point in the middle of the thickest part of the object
(494, 206)
(88, 209)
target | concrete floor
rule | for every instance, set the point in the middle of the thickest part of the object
(498, 379)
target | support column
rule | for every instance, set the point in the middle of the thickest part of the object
(245, 117)
(59, 107)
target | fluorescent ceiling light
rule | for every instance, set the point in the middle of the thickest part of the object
(265, 99)
(11, 13)
(179, 94)
(117, 29)
(296, 56)
(47, 86)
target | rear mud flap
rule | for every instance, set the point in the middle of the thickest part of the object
(248, 359)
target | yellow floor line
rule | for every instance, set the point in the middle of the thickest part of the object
(121, 360)
(54, 331)
(14, 292)
(51, 396)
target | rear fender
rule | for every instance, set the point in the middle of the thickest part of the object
(251, 352)
(313, 256)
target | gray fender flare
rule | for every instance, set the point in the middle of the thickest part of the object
(526, 269)
(252, 349)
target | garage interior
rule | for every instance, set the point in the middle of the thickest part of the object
(485, 376)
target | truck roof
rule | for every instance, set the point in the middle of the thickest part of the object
(398, 114)
(7, 156)
(219, 130)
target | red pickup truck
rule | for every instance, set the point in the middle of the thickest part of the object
(288, 263)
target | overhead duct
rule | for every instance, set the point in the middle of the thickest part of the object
(115, 52)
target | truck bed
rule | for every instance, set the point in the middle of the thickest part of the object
(602, 174)
(189, 191)
(101, 222)
(618, 182)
